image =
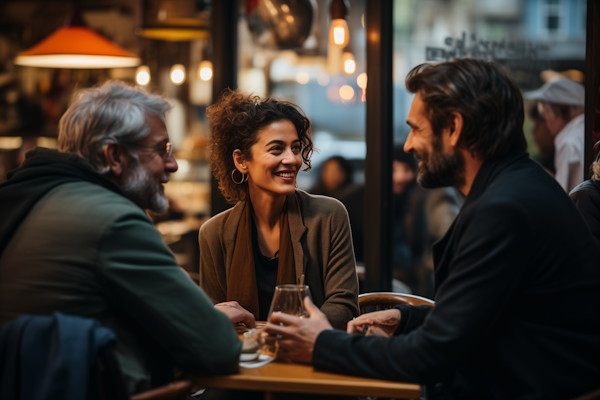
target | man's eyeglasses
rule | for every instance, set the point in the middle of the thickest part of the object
(167, 150)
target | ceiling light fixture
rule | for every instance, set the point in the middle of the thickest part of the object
(348, 63)
(338, 32)
(74, 45)
(175, 20)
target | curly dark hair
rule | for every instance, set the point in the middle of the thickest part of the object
(483, 93)
(235, 121)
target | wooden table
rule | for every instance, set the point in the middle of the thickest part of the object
(285, 377)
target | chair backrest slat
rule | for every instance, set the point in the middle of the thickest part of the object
(382, 300)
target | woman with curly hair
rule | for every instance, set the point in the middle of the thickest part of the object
(275, 234)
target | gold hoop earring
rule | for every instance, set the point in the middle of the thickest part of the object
(244, 177)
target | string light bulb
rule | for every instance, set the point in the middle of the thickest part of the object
(142, 75)
(348, 63)
(339, 34)
(205, 70)
(178, 74)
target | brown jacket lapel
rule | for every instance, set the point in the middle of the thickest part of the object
(297, 230)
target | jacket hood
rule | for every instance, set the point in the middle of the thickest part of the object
(42, 171)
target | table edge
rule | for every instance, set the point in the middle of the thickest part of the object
(322, 386)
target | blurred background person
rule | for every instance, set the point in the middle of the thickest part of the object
(560, 102)
(335, 178)
(543, 139)
(421, 217)
(410, 223)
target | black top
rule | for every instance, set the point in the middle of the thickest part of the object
(517, 300)
(266, 276)
(586, 197)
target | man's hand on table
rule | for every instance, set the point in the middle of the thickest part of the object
(298, 335)
(236, 313)
(386, 320)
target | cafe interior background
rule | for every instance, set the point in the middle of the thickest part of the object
(286, 49)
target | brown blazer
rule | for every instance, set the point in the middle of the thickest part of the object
(323, 251)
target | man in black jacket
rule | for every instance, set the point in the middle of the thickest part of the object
(517, 282)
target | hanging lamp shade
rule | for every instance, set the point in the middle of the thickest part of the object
(176, 20)
(77, 46)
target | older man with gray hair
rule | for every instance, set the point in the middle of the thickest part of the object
(74, 238)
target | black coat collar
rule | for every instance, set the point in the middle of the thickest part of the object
(486, 175)
(489, 170)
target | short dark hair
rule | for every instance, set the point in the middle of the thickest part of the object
(487, 98)
(235, 121)
(344, 165)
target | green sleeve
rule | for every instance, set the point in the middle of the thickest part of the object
(143, 280)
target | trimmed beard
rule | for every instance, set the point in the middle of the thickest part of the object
(143, 190)
(440, 170)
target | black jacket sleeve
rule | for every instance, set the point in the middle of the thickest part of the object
(484, 272)
(411, 317)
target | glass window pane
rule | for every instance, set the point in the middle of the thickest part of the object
(512, 33)
(312, 73)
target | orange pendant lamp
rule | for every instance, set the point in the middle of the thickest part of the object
(77, 46)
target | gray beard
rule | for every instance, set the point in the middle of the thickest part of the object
(143, 190)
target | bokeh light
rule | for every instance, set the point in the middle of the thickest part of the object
(346, 92)
(361, 80)
(302, 78)
(142, 75)
(177, 74)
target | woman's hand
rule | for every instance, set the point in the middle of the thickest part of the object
(236, 313)
(387, 320)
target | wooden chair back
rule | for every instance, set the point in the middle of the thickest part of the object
(178, 390)
(385, 300)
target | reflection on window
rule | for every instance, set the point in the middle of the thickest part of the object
(526, 36)
(550, 12)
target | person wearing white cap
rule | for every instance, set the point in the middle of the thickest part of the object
(561, 104)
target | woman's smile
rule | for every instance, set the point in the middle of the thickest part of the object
(286, 176)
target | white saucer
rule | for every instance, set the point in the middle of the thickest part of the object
(244, 357)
